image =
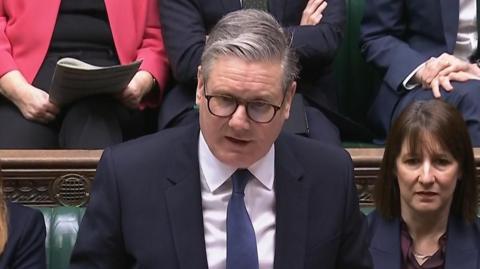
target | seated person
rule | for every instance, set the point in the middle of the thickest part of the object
(34, 35)
(316, 30)
(426, 194)
(22, 236)
(232, 192)
(423, 50)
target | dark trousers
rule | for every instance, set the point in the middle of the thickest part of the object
(90, 123)
(465, 97)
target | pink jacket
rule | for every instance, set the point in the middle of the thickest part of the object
(26, 28)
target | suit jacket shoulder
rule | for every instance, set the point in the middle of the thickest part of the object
(164, 152)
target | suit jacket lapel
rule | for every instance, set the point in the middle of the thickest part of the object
(291, 210)
(450, 16)
(462, 250)
(184, 204)
(385, 244)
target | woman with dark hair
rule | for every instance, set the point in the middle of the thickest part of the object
(426, 194)
(22, 236)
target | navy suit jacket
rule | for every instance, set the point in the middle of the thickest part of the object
(185, 23)
(462, 250)
(146, 209)
(399, 35)
(25, 248)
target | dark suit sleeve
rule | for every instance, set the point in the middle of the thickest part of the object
(99, 242)
(383, 29)
(353, 252)
(317, 45)
(30, 250)
(184, 37)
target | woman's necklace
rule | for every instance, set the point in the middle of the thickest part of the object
(421, 258)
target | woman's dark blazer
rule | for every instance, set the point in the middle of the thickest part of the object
(25, 248)
(462, 251)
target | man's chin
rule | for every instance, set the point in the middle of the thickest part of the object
(237, 159)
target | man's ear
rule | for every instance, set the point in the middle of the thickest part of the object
(288, 99)
(200, 81)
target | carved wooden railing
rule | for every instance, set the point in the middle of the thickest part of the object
(64, 177)
(48, 177)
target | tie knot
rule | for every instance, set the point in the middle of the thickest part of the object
(240, 179)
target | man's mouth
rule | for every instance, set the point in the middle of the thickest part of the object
(237, 140)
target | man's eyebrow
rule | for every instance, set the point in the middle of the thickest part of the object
(221, 91)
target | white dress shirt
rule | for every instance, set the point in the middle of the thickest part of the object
(467, 30)
(259, 201)
(467, 37)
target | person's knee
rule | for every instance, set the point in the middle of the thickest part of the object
(20, 133)
(92, 123)
(97, 105)
(465, 92)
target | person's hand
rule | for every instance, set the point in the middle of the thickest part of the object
(140, 85)
(462, 76)
(429, 71)
(34, 104)
(455, 65)
(439, 72)
(312, 14)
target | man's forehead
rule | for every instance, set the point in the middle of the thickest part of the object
(244, 69)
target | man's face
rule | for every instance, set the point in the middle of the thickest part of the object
(237, 140)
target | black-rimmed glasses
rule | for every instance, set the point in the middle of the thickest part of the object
(224, 106)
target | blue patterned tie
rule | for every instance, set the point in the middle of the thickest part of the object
(241, 242)
(256, 4)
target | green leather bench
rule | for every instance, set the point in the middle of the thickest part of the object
(62, 227)
(358, 81)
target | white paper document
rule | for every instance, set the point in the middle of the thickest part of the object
(74, 79)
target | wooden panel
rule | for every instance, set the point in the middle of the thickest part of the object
(48, 177)
(367, 165)
(63, 177)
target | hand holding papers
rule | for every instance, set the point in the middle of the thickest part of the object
(74, 79)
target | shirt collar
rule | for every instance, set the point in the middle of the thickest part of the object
(437, 260)
(217, 172)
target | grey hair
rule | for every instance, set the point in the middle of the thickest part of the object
(251, 35)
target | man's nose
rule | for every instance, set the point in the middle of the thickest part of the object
(239, 118)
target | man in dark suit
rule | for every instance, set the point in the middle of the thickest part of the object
(317, 31)
(234, 193)
(424, 50)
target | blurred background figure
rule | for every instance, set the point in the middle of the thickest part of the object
(34, 35)
(426, 195)
(22, 236)
(423, 50)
